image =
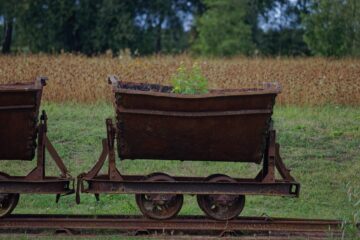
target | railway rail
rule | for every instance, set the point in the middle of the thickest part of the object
(192, 225)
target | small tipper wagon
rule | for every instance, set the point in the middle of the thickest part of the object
(223, 125)
(20, 134)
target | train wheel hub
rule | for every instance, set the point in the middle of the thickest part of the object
(221, 206)
(159, 206)
(8, 202)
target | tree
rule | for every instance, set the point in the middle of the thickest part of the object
(222, 29)
(352, 13)
(87, 17)
(283, 34)
(333, 28)
(115, 25)
(95, 26)
(160, 25)
(7, 13)
(1, 28)
(46, 25)
(286, 41)
(256, 9)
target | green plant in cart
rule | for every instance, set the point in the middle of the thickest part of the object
(189, 81)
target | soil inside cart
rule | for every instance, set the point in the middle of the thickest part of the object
(146, 87)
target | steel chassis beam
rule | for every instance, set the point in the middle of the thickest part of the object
(46, 186)
(183, 185)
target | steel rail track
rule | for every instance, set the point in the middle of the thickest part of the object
(197, 225)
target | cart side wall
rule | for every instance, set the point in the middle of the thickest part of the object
(18, 121)
(222, 128)
(219, 103)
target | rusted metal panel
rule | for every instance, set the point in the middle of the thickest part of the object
(19, 108)
(223, 125)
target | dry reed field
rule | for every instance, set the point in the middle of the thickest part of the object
(77, 78)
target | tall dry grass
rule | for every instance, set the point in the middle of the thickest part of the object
(305, 81)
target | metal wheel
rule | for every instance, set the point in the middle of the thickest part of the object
(8, 202)
(221, 207)
(159, 206)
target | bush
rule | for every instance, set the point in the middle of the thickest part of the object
(191, 81)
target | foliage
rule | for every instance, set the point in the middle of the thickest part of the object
(255, 10)
(160, 25)
(115, 30)
(219, 27)
(284, 34)
(1, 32)
(223, 30)
(46, 25)
(333, 28)
(284, 42)
(95, 26)
(189, 81)
(8, 11)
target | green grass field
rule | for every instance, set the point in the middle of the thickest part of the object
(320, 145)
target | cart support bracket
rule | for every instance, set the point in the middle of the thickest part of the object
(38, 173)
(108, 152)
(272, 160)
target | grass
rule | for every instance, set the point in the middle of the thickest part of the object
(320, 145)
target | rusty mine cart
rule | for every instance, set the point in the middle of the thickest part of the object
(20, 134)
(223, 125)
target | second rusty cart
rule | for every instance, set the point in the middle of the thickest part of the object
(20, 136)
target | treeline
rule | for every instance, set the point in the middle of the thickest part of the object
(205, 27)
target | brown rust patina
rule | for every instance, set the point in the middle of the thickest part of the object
(223, 125)
(20, 135)
(19, 110)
